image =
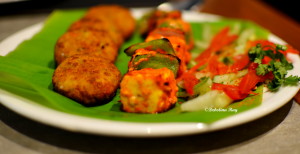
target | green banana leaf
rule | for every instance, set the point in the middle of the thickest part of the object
(27, 71)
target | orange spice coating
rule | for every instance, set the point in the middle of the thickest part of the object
(153, 18)
(179, 24)
(90, 80)
(148, 90)
(177, 39)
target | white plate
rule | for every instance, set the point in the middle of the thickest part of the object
(76, 123)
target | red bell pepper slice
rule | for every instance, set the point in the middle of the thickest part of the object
(220, 40)
(241, 61)
(189, 81)
(290, 49)
(230, 90)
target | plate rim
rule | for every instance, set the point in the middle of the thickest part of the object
(134, 129)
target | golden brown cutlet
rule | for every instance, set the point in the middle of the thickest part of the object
(98, 25)
(87, 79)
(85, 41)
(118, 15)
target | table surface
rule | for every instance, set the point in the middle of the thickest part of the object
(274, 133)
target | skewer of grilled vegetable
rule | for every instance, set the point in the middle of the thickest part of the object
(154, 54)
(150, 84)
(161, 24)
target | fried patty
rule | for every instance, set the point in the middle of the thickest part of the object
(90, 80)
(85, 41)
(117, 15)
(98, 25)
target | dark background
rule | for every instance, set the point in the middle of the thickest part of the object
(287, 7)
(35, 6)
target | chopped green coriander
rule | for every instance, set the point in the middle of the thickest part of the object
(292, 80)
(262, 69)
(278, 65)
